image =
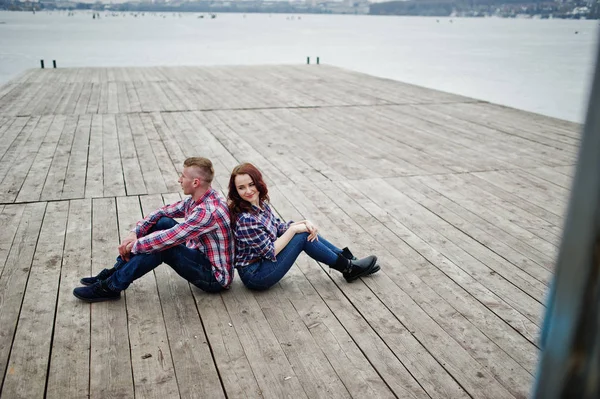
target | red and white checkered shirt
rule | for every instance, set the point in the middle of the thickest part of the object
(206, 227)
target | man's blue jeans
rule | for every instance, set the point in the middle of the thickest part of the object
(190, 264)
(265, 273)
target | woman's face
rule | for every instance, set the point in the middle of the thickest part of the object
(246, 189)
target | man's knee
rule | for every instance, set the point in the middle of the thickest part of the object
(164, 223)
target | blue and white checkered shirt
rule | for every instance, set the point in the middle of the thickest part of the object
(255, 234)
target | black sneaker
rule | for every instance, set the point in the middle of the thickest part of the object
(97, 292)
(361, 267)
(103, 275)
(346, 253)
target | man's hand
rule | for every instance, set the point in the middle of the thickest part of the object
(126, 245)
(312, 230)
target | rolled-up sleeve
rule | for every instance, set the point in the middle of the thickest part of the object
(252, 235)
(282, 227)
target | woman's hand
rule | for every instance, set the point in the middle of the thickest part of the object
(312, 230)
(299, 228)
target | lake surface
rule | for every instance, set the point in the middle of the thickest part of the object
(544, 66)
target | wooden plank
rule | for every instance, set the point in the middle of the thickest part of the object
(537, 191)
(30, 353)
(94, 101)
(516, 251)
(83, 101)
(13, 280)
(75, 175)
(552, 220)
(154, 376)
(55, 179)
(71, 105)
(272, 370)
(17, 147)
(114, 184)
(112, 97)
(11, 134)
(16, 173)
(110, 361)
(471, 274)
(315, 373)
(197, 375)
(94, 180)
(551, 175)
(103, 98)
(355, 370)
(132, 172)
(530, 242)
(152, 175)
(511, 212)
(456, 360)
(498, 362)
(69, 369)
(433, 291)
(166, 164)
(525, 274)
(9, 218)
(232, 362)
(169, 141)
(133, 99)
(122, 98)
(34, 182)
(491, 142)
(393, 350)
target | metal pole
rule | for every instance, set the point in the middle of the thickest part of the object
(54, 63)
(570, 340)
(42, 63)
(317, 60)
(307, 60)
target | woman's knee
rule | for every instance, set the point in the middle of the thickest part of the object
(301, 237)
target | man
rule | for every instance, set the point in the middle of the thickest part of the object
(200, 249)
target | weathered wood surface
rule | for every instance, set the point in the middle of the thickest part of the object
(462, 201)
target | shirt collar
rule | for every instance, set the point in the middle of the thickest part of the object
(207, 194)
(258, 208)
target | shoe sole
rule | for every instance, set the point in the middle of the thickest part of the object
(94, 300)
(372, 269)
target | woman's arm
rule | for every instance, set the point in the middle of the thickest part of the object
(286, 237)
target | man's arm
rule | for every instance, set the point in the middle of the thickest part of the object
(200, 221)
(175, 210)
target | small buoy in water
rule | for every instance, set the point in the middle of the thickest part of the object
(576, 32)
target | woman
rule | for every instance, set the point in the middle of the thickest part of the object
(266, 248)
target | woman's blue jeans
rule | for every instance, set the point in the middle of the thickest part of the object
(265, 273)
(191, 264)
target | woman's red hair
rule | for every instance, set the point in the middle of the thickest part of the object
(238, 205)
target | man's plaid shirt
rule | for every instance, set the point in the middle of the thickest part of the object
(206, 227)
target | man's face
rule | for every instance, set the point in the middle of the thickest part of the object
(188, 181)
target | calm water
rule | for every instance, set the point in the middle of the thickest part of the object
(537, 65)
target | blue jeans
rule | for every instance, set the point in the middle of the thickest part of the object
(265, 273)
(191, 264)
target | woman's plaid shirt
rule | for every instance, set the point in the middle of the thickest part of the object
(255, 234)
(206, 227)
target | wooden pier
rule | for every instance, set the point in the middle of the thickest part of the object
(461, 200)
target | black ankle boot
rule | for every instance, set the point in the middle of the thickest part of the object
(346, 253)
(353, 269)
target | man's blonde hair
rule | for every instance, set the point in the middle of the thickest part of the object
(204, 167)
